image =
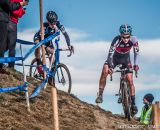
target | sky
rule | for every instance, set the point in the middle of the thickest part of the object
(91, 25)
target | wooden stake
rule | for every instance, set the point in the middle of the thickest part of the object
(53, 89)
(42, 34)
(156, 115)
(158, 112)
(55, 109)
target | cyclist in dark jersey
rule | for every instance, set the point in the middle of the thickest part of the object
(119, 53)
(51, 26)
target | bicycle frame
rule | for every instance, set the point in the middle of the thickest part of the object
(48, 70)
(124, 93)
(57, 53)
(13, 59)
(123, 77)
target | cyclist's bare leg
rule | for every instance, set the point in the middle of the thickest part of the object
(131, 84)
(37, 53)
(51, 52)
(102, 81)
(51, 59)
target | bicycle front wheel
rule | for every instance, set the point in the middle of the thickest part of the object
(126, 100)
(62, 79)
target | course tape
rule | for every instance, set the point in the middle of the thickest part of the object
(10, 89)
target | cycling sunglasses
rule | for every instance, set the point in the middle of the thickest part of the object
(125, 37)
(52, 23)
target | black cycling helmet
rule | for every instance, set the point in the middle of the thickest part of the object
(51, 17)
(125, 29)
(149, 97)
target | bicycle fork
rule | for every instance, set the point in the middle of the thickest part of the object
(119, 93)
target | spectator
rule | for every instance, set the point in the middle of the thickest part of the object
(12, 31)
(5, 8)
(146, 113)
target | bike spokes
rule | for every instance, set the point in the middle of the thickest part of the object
(63, 78)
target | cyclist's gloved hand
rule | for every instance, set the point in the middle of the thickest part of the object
(110, 71)
(110, 68)
(136, 67)
(71, 49)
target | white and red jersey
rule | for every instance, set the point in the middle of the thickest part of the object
(120, 49)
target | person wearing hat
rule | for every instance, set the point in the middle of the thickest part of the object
(146, 113)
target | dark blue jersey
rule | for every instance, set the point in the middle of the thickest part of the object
(51, 30)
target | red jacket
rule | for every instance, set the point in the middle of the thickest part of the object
(15, 15)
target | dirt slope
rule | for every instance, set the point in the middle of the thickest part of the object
(73, 113)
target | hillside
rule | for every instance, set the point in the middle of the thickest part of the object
(74, 114)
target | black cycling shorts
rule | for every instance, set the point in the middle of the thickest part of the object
(123, 60)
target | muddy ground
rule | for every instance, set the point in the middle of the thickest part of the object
(73, 113)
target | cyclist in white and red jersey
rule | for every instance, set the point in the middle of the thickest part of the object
(119, 53)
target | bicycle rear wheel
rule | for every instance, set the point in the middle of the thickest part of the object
(126, 100)
(62, 79)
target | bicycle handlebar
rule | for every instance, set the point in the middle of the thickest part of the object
(66, 50)
(70, 53)
(63, 49)
(136, 74)
(111, 78)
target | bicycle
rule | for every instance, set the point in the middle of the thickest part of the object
(125, 92)
(59, 74)
(24, 87)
